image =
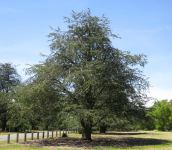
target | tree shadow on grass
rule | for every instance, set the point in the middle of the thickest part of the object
(124, 133)
(104, 142)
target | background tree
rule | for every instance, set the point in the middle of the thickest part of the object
(161, 114)
(9, 78)
(134, 120)
(42, 99)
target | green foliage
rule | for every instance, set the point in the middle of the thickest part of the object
(91, 76)
(161, 113)
(41, 104)
(19, 117)
(9, 78)
(85, 81)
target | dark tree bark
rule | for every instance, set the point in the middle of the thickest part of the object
(86, 134)
(103, 128)
(4, 124)
(86, 129)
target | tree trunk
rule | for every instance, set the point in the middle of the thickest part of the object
(86, 133)
(103, 129)
(4, 124)
(86, 130)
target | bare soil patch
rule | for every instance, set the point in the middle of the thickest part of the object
(114, 142)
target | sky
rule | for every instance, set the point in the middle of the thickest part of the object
(144, 27)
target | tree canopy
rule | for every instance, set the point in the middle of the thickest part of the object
(92, 77)
(84, 82)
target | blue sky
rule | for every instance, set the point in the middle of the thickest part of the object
(145, 27)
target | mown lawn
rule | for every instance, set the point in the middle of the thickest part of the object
(110, 141)
(5, 133)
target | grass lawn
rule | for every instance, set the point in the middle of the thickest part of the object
(110, 141)
(5, 133)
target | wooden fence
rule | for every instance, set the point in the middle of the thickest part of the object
(28, 136)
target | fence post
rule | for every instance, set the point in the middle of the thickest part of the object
(8, 139)
(60, 133)
(52, 134)
(25, 136)
(43, 134)
(17, 137)
(32, 135)
(47, 134)
(37, 135)
(56, 133)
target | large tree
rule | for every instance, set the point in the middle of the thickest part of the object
(93, 77)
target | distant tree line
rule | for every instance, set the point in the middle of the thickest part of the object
(159, 116)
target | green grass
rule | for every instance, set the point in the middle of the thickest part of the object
(20, 147)
(6, 133)
(136, 141)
